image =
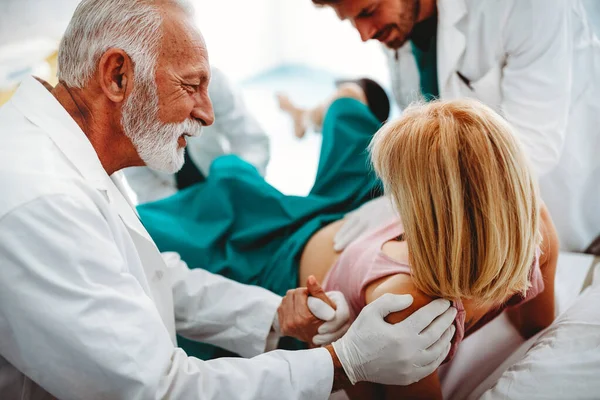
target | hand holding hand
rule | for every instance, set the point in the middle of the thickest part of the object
(303, 311)
(337, 314)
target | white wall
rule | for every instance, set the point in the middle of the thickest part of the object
(30, 30)
(240, 34)
(315, 36)
(22, 20)
(249, 36)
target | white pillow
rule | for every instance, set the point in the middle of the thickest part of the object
(562, 362)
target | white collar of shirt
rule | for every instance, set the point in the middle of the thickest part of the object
(42, 108)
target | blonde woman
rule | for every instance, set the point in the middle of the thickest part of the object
(471, 229)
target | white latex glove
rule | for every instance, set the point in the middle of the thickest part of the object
(337, 320)
(399, 354)
(370, 215)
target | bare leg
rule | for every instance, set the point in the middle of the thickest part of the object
(298, 114)
(305, 118)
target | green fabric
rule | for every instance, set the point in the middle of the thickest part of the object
(237, 225)
(426, 58)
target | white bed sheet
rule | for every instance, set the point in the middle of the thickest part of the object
(481, 354)
(562, 362)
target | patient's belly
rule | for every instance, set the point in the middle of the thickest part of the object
(318, 256)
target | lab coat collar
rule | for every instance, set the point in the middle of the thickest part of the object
(118, 196)
(42, 108)
(451, 43)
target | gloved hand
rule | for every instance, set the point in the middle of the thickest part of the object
(399, 354)
(370, 215)
(337, 314)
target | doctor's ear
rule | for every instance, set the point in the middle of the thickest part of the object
(115, 71)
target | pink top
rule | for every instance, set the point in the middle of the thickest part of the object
(364, 262)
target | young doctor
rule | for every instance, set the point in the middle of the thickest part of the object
(536, 62)
(88, 306)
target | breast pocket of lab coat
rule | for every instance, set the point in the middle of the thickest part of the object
(486, 89)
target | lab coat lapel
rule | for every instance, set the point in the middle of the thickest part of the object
(451, 45)
(127, 210)
(153, 262)
(42, 108)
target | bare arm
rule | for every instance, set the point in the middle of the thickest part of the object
(538, 313)
(427, 388)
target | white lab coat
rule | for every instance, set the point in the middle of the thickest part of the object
(89, 308)
(537, 62)
(235, 131)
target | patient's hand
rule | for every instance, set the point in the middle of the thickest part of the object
(295, 316)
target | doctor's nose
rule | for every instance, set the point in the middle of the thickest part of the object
(366, 29)
(203, 111)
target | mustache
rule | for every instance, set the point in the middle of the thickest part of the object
(189, 127)
(383, 32)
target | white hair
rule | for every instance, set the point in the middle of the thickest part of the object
(98, 25)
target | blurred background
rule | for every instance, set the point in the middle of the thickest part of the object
(265, 46)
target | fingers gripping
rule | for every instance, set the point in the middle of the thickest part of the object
(315, 290)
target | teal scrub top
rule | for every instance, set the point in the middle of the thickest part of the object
(424, 47)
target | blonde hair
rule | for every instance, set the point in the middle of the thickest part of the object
(467, 198)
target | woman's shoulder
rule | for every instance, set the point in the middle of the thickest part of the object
(397, 284)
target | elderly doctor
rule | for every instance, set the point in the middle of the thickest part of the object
(537, 62)
(88, 306)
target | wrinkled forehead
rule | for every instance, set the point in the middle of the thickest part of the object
(182, 45)
(349, 9)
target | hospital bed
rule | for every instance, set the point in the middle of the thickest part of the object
(561, 362)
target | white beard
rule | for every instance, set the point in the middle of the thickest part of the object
(156, 142)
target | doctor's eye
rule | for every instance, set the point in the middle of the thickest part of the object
(366, 12)
(191, 88)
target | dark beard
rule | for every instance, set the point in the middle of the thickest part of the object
(408, 20)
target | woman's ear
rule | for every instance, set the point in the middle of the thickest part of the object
(116, 72)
